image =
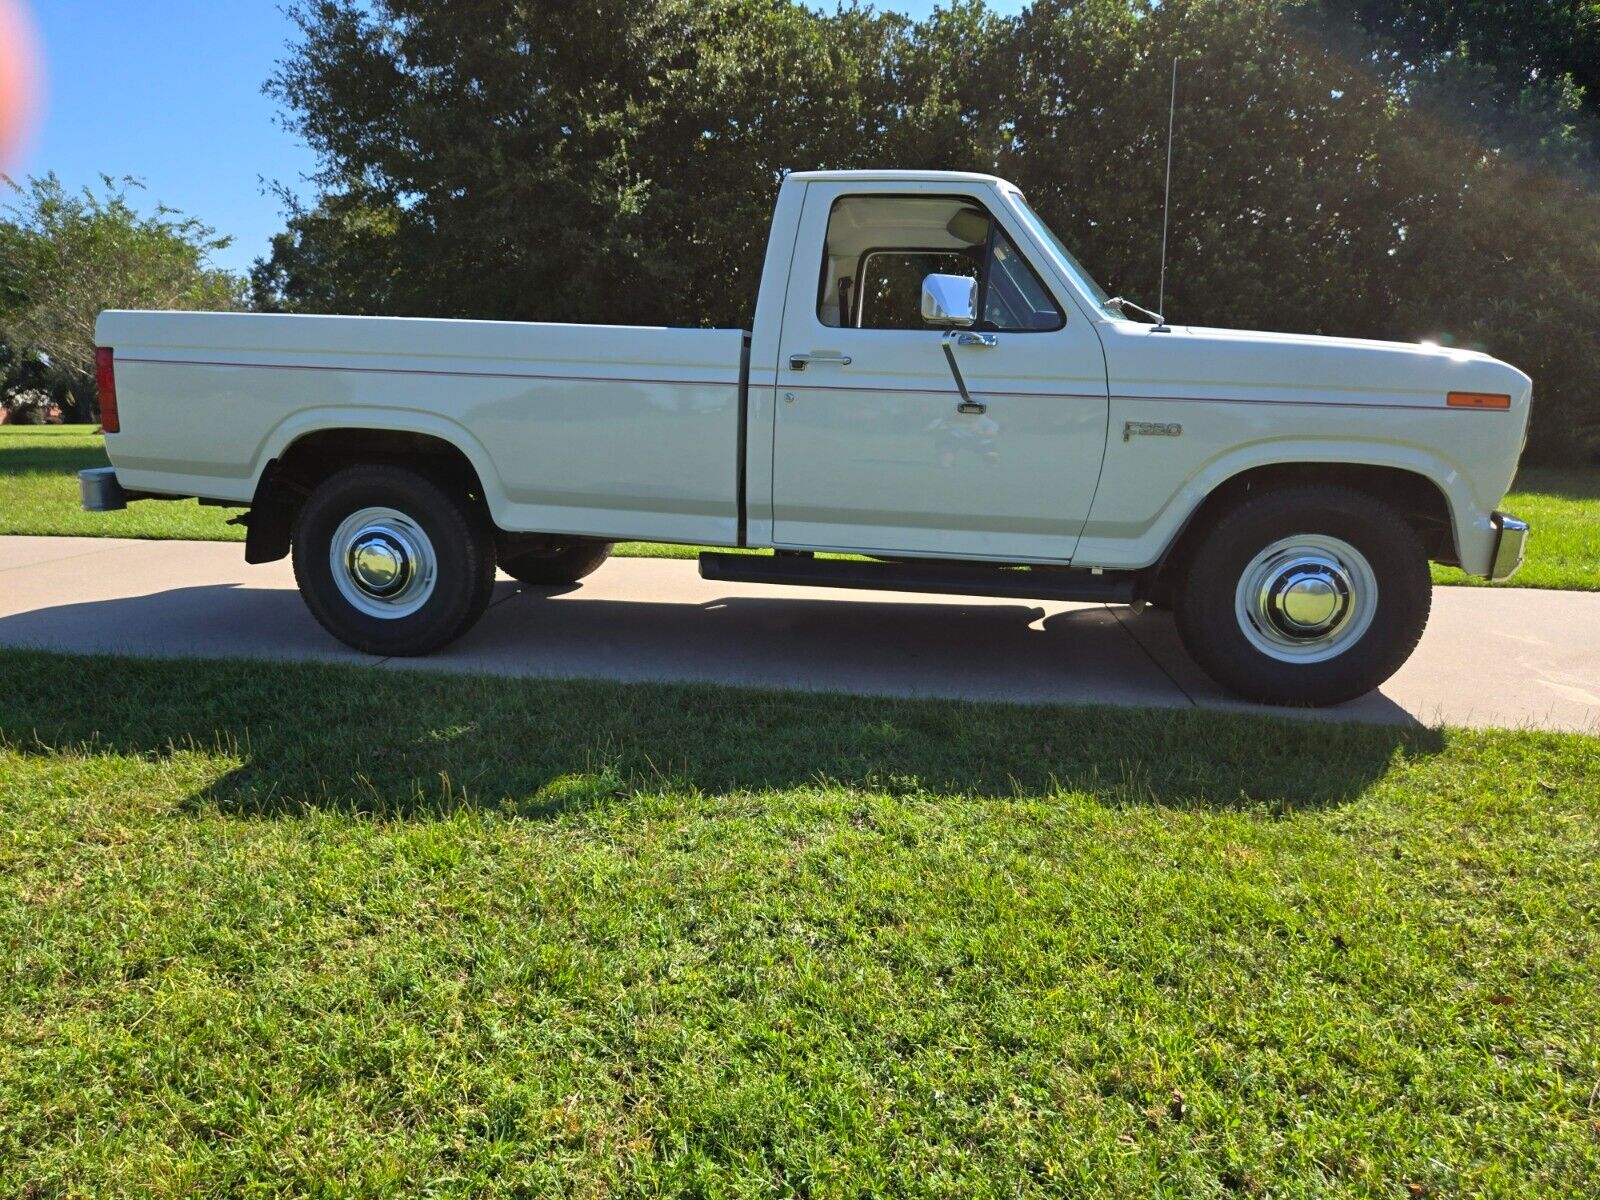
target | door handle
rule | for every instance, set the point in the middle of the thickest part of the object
(797, 362)
(976, 339)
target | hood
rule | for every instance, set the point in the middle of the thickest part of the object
(1193, 362)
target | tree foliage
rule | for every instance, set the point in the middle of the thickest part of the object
(620, 167)
(65, 257)
(1509, 62)
(1369, 167)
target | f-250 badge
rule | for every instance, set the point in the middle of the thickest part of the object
(1132, 429)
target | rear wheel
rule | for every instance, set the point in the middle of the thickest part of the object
(539, 560)
(390, 562)
(1305, 595)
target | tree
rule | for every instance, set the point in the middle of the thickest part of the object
(339, 256)
(616, 168)
(69, 256)
(1279, 217)
(1509, 63)
(1376, 168)
(22, 374)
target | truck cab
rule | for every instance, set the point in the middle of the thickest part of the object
(874, 449)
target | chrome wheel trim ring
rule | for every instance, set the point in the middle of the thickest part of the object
(383, 563)
(1306, 598)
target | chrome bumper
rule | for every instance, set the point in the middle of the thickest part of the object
(1511, 540)
(100, 490)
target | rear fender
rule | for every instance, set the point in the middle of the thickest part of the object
(390, 420)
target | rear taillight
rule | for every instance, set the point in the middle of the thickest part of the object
(105, 379)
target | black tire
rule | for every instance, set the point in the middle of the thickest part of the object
(462, 550)
(554, 562)
(1212, 591)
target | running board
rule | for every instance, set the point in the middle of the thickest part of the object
(930, 575)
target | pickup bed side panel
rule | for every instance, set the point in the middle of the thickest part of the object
(592, 430)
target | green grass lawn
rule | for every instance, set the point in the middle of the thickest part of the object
(291, 929)
(39, 495)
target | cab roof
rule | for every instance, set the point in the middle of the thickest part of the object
(876, 176)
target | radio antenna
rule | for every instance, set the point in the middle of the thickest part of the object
(1166, 203)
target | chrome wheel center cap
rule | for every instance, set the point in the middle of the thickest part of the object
(1307, 598)
(379, 564)
(1310, 602)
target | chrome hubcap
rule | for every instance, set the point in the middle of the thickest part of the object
(1306, 598)
(379, 564)
(383, 562)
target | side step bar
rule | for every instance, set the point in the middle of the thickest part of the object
(932, 575)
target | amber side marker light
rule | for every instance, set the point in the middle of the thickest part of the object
(1478, 400)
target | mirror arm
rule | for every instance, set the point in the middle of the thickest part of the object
(968, 404)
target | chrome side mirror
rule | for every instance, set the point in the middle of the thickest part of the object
(949, 300)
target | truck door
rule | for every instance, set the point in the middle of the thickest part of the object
(874, 447)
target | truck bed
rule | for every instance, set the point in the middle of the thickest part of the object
(606, 431)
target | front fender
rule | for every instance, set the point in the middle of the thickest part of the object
(1135, 519)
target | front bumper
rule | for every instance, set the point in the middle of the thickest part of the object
(1510, 542)
(100, 491)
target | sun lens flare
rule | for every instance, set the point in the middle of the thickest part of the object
(21, 72)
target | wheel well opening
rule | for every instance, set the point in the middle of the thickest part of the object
(307, 461)
(1416, 497)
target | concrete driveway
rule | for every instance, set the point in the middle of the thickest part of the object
(1508, 657)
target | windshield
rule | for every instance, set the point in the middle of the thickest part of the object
(1048, 237)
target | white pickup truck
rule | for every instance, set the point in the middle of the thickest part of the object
(932, 386)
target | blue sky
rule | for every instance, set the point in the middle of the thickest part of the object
(170, 91)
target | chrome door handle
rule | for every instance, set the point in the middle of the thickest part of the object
(976, 339)
(797, 362)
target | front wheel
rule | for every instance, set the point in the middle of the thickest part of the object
(390, 562)
(1305, 595)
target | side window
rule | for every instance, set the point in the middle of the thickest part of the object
(1013, 297)
(879, 249)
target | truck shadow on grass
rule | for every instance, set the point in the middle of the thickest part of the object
(21, 454)
(415, 742)
(1564, 483)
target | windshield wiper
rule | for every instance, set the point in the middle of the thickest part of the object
(1122, 303)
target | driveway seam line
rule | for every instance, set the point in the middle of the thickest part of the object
(45, 562)
(1117, 611)
(389, 658)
